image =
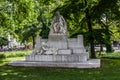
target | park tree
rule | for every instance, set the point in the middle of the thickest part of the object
(79, 13)
(29, 33)
(15, 14)
(18, 15)
(108, 18)
(87, 13)
(3, 42)
(44, 21)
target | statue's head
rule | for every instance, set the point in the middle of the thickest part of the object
(57, 13)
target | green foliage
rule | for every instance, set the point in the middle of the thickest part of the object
(14, 54)
(2, 56)
(45, 31)
(44, 23)
(15, 14)
(29, 31)
(108, 19)
(114, 55)
(24, 12)
(3, 41)
(83, 15)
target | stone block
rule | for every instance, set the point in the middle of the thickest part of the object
(46, 57)
(27, 57)
(78, 51)
(58, 58)
(91, 63)
(59, 45)
(80, 39)
(32, 57)
(73, 45)
(83, 57)
(65, 51)
(57, 37)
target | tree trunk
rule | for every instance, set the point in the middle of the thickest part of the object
(101, 49)
(92, 50)
(33, 38)
(89, 23)
(108, 48)
(1, 46)
(108, 43)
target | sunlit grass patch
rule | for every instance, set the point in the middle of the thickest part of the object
(114, 55)
(14, 54)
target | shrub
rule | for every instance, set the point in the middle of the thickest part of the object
(110, 55)
(14, 54)
(2, 55)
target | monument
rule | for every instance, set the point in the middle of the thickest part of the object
(59, 50)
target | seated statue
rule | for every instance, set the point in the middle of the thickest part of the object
(58, 24)
(43, 48)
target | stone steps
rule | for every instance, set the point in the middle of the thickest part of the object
(92, 63)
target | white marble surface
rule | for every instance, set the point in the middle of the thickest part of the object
(92, 63)
(58, 58)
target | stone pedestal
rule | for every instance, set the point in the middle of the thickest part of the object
(65, 51)
(58, 41)
(92, 63)
(58, 58)
(58, 44)
(57, 37)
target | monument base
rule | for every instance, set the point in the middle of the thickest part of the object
(58, 58)
(92, 63)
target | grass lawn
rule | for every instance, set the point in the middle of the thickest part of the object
(110, 70)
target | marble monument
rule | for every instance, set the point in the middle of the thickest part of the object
(59, 50)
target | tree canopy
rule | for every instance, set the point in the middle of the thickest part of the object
(97, 20)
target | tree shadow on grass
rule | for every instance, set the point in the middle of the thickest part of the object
(38, 73)
(113, 58)
(109, 71)
(35, 73)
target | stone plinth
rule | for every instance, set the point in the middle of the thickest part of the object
(79, 50)
(58, 58)
(58, 41)
(74, 43)
(92, 63)
(57, 37)
(58, 44)
(65, 51)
